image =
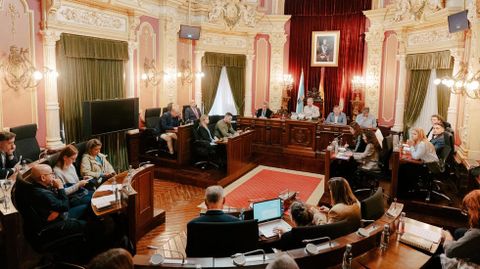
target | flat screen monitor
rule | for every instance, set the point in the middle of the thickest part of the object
(267, 210)
(109, 116)
(189, 32)
(458, 22)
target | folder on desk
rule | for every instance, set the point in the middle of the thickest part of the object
(419, 237)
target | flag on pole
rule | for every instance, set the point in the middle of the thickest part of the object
(301, 94)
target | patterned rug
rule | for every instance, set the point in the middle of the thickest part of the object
(266, 182)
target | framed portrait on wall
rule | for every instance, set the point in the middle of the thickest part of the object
(325, 48)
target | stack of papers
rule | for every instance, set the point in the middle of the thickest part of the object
(429, 235)
(104, 201)
(106, 187)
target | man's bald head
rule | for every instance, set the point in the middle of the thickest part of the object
(39, 172)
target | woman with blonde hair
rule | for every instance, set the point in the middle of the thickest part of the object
(420, 147)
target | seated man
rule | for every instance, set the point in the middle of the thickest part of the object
(264, 111)
(438, 136)
(7, 159)
(168, 122)
(311, 111)
(365, 120)
(337, 116)
(438, 118)
(224, 128)
(51, 216)
(192, 113)
(214, 200)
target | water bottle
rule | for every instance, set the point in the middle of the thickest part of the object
(115, 189)
(347, 257)
(23, 168)
(401, 225)
(385, 238)
(401, 138)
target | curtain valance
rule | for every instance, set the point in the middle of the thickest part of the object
(427, 61)
(227, 60)
(75, 46)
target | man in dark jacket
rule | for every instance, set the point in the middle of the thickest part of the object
(168, 125)
(214, 200)
(7, 158)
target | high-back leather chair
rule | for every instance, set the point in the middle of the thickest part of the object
(294, 238)
(26, 142)
(373, 207)
(221, 239)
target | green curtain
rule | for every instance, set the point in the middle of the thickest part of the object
(83, 77)
(433, 60)
(443, 93)
(415, 98)
(212, 64)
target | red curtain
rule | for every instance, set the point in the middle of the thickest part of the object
(327, 15)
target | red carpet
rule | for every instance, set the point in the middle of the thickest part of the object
(267, 183)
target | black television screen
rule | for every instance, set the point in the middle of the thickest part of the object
(109, 116)
(189, 32)
(458, 22)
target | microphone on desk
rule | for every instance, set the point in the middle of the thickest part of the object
(143, 163)
(240, 260)
(157, 259)
(312, 249)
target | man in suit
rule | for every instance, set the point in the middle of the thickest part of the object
(311, 111)
(169, 122)
(438, 118)
(337, 116)
(224, 128)
(264, 111)
(214, 200)
(192, 113)
(7, 158)
(365, 120)
(438, 137)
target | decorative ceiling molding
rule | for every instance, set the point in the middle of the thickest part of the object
(91, 18)
(233, 13)
(432, 37)
(416, 10)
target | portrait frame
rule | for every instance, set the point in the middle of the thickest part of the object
(325, 45)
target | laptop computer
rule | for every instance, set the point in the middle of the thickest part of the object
(269, 213)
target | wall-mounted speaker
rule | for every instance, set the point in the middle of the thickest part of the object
(189, 32)
(458, 22)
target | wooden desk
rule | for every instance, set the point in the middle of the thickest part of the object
(329, 256)
(397, 159)
(239, 156)
(142, 216)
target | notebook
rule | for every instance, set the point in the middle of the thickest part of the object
(421, 238)
(269, 216)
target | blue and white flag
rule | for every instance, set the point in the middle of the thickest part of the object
(301, 94)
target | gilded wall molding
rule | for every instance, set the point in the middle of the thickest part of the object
(374, 38)
(277, 42)
(86, 17)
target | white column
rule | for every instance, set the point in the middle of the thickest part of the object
(198, 80)
(248, 85)
(374, 38)
(50, 39)
(132, 46)
(401, 89)
(277, 41)
(453, 104)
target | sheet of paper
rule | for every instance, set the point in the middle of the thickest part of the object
(423, 233)
(106, 187)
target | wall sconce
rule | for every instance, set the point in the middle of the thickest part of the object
(462, 83)
(150, 73)
(186, 74)
(18, 71)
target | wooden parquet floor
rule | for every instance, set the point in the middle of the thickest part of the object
(180, 204)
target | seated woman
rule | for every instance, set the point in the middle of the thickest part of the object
(356, 131)
(438, 137)
(368, 159)
(65, 171)
(94, 163)
(420, 147)
(204, 133)
(345, 204)
(466, 248)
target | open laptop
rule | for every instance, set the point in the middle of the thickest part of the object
(269, 213)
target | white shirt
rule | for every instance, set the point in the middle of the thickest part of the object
(311, 112)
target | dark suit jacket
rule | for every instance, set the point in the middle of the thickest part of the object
(203, 134)
(190, 114)
(6, 167)
(438, 142)
(45, 200)
(215, 216)
(359, 145)
(167, 122)
(268, 113)
(448, 128)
